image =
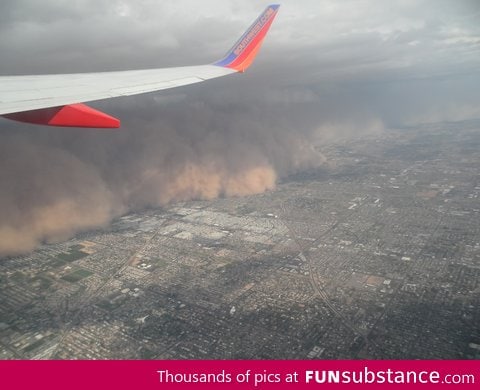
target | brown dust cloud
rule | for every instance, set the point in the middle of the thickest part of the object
(172, 147)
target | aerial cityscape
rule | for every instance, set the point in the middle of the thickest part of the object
(374, 255)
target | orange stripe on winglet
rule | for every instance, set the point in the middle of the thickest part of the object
(242, 67)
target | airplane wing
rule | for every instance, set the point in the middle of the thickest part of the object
(56, 100)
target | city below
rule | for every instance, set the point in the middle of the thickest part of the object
(374, 255)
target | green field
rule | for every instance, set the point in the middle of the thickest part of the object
(77, 275)
(73, 255)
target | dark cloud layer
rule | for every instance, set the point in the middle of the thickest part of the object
(328, 69)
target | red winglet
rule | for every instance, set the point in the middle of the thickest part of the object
(242, 54)
(73, 115)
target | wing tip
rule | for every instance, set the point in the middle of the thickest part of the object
(243, 53)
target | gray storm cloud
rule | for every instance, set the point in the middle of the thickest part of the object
(328, 69)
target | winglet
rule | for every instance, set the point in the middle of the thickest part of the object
(242, 54)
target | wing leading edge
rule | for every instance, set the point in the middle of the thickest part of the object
(55, 100)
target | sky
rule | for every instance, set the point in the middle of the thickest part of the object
(328, 69)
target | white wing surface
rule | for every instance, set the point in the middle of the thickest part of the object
(56, 100)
